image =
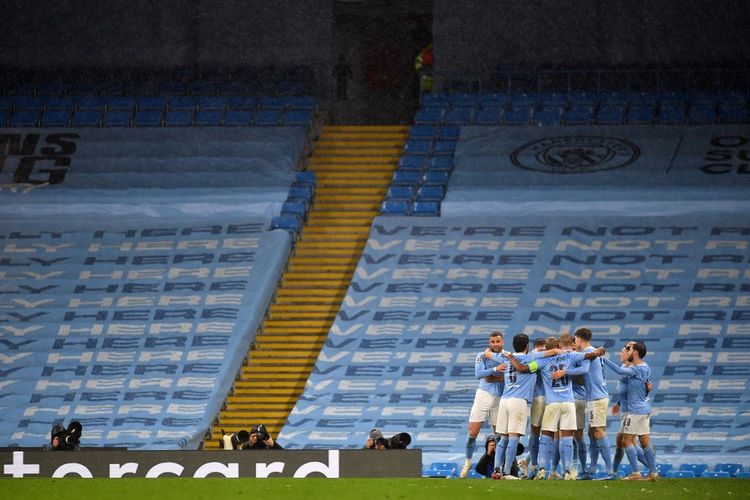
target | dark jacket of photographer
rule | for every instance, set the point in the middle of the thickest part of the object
(257, 443)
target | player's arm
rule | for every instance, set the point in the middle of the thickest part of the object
(599, 351)
(520, 367)
(620, 370)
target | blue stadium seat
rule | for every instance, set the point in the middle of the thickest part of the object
(151, 103)
(441, 164)
(733, 113)
(473, 474)
(272, 103)
(231, 88)
(182, 103)
(212, 103)
(672, 115)
(529, 101)
(119, 103)
(732, 97)
(449, 466)
(400, 193)
(624, 470)
(178, 119)
(208, 118)
(305, 178)
(494, 101)
(242, 103)
(459, 116)
(584, 98)
(267, 118)
(435, 100)
(395, 207)
(681, 474)
(552, 100)
(417, 147)
(288, 223)
(27, 103)
(673, 99)
(444, 148)
(94, 103)
(488, 116)
(702, 114)
(463, 100)
(294, 209)
(4, 116)
(435, 178)
(743, 475)
(428, 116)
(426, 208)
(611, 114)
(449, 132)
(704, 98)
(430, 193)
(238, 118)
(24, 119)
(643, 98)
(147, 118)
(297, 118)
(579, 115)
(301, 193)
(7, 103)
(715, 474)
(300, 103)
(116, 119)
(732, 468)
(416, 163)
(662, 469)
(423, 132)
(86, 118)
(112, 89)
(406, 178)
(695, 468)
(432, 473)
(613, 98)
(640, 115)
(519, 116)
(59, 104)
(55, 119)
(547, 117)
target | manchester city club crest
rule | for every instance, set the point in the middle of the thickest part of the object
(575, 154)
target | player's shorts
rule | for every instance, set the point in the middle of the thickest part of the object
(636, 424)
(537, 411)
(580, 414)
(597, 411)
(623, 416)
(512, 416)
(559, 417)
(484, 408)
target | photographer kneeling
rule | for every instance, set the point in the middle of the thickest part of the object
(62, 439)
(260, 439)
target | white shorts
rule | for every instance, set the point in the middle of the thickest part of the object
(580, 414)
(537, 411)
(559, 417)
(636, 424)
(623, 416)
(484, 408)
(597, 411)
(512, 416)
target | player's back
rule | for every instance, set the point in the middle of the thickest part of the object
(560, 390)
(594, 380)
(638, 401)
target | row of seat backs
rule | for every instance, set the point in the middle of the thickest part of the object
(151, 118)
(295, 208)
(157, 103)
(584, 115)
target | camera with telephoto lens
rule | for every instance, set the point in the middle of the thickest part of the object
(261, 432)
(66, 439)
(398, 442)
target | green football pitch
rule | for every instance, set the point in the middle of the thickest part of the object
(358, 489)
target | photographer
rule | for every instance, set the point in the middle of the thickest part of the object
(62, 439)
(237, 441)
(376, 441)
(260, 439)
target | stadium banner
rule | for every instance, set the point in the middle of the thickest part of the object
(514, 169)
(73, 170)
(330, 464)
(133, 327)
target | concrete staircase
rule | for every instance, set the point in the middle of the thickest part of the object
(353, 165)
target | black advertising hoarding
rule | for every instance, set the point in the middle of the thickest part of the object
(231, 464)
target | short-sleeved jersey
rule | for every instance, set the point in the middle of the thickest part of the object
(635, 377)
(483, 368)
(596, 383)
(517, 384)
(561, 390)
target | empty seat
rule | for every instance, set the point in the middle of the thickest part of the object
(430, 193)
(695, 468)
(610, 114)
(681, 474)
(267, 118)
(395, 207)
(116, 119)
(59, 104)
(287, 223)
(444, 148)
(583, 98)
(441, 164)
(489, 116)
(426, 208)
(449, 132)
(4, 116)
(151, 103)
(521, 116)
(86, 118)
(435, 100)
(459, 116)
(733, 113)
(716, 474)
(147, 118)
(640, 115)
(300, 103)
(427, 132)
(272, 103)
(524, 100)
(431, 178)
(702, 114)
(242, 103)
(406, 178)
(613, 98)
(732, 468)
(26, 103)
(672, 115)
(238, 118)
(663, 469)
(182, 103)
(552, 100)
(92, 103)
(119, 103)
(295, 209)
(416, 163)
(178, 119)
(301, 193)
(547, 117)
(297, 118)
(643, 98)
(212, 103)
(413, 147)
(579, 115)
(433, 473)
(24, 119)
(402, 193)
(55, 119)
(428, 116)
(208, 118)
(497, 100)
(449, 466)
(112, 89)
